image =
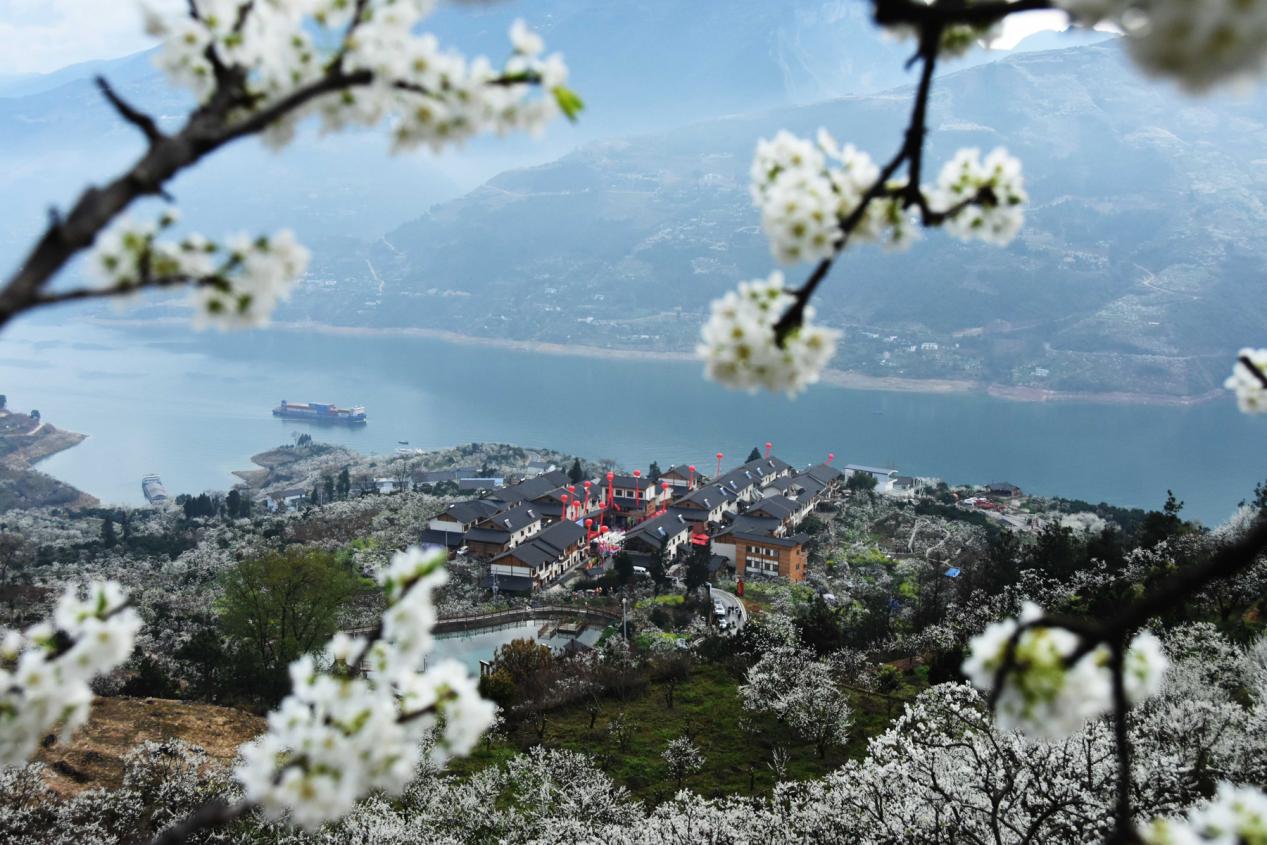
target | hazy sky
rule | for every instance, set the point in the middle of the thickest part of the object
(37, 36)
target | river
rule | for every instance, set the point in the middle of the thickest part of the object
(193, 407)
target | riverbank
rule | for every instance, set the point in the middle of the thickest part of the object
(847, 379)
(24, 441)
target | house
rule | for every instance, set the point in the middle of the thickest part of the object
(503, 530)
(788, 513)
(435, 476)
(636, 496)
(461, 517)
(763, 555)
(681, 478)
(540, 559)
(706, 504)
(477, 484)
(743, 482)
(390, 485)
(285, 500)
(769, 469)
(883, 477)
(666, 533)
(831, 478)
(904, 486)
(526, 491)
(1003, 488)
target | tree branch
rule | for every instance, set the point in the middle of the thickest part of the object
(944, 14)
(1253, 369)
(129, 113)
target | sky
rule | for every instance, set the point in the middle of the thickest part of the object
(39, 36)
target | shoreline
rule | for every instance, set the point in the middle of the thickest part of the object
(846, 379)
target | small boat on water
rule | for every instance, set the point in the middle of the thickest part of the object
(153, 490)
(403, 442)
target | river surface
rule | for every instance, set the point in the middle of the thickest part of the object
(470, 649)
(193, 407)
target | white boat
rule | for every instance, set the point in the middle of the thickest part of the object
(154, 491)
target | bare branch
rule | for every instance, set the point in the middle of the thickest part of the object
(1248, 363)
(919, 14)
(128, 112)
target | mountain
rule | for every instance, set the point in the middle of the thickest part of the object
(1138, 269)
(641, 65)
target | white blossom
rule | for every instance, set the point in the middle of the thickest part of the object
(428, 95)
(1251, 391)
(1198, 44)
(1041, 694)
(344, 732)
(1237, 815)
(991, 193)
(45, 670)
(236, 285)
(740, 349)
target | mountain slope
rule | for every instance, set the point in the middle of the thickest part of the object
(1138, 270)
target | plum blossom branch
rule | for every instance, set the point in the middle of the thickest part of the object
(257, 70)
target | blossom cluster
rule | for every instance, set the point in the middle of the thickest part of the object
(237, 284)
(45, 670)
(431, 95)
(805, 191)
(987, 197)
(1251, 390)
(359, 724)
(740, 348)
(1235, 816)
(1199, 44)
(1042, 694)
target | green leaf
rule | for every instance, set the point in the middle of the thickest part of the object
(569, 102)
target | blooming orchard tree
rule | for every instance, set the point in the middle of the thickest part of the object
(793, 687)
(682, 758)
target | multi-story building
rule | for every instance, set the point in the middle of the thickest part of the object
(540, 559)
(763, 554)
(504, 530)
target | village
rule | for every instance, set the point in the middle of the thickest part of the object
(550, 529)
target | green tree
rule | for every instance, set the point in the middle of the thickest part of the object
(233, 504)
(4, 401)
(575, 474)
(861, 481)
(345, 483)
(328, 485)
(284, 605)
(108, 537)
(1162, 525)
(624, 567)
(697, 566)
(654, 472)
(754, 455)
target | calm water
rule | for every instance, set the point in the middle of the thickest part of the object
(470, 649)
(194, 407)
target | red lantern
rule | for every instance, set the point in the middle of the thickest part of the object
(719, 457)
(768, 447)
(831, 456)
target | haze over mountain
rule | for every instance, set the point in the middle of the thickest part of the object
(1136, 270)
(639, 65)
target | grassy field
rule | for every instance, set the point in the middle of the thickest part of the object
(707, 706)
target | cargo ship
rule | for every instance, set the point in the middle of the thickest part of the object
(320, 412)
(153, 490)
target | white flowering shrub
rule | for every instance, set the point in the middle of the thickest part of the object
(45, 670)
(790, 685)
(1045, 688)
(683, 758)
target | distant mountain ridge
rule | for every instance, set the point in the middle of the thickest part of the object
(641, 65)
(1138, 270)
